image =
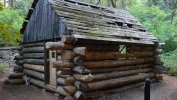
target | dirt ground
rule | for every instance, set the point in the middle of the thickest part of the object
(164, 90)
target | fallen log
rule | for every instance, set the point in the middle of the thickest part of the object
(34, 55)
(39, 68)
(116, 74)
(18, 69)
(14, 81)
(116, 63)
(33, 44)
(97, 94)
(18, 57)
(67, 39)
(80, 85)
(33, 50)
(63, 64)
(106, 70)
(81, 70)
(77, 60)
(66, 81)
(70, 89)
(118, 82)
(16, 75)
(34, 61)
(19, 62)
(84, 78)
(65, 73)
(79, 96)
(34, 74)
(58, 46)
(81, 51)
(103, 55)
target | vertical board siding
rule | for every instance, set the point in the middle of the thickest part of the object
(44, 24)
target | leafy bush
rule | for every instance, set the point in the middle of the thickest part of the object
(3, 67)
(169, 60)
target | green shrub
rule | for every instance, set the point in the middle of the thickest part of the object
(3, 67)
(169, 60)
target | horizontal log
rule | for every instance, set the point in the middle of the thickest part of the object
(33, 50)
(97, 94)
(16, 75)
(39, 68)
(37, 44)
(18, 69)
(84, 78)
(106, 70)
(67, 39)
(116, 63)
(58, 46)
(34, 74)
(34, 61)
(11, 48)
(18, 57)
(63, 64)
(34, 55)
(116, 74)
(70, 89)
(81, 70)
(142, 48)
(81, 51)
(79, 96)
(61, 91)
(66, 81)
(19, 62)
(14, 81)
(80, 85)
(103, 55)
(65, 73)
(118, 82)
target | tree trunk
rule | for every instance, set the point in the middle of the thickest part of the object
(116, 63)
(118, 82)
(84, 78)
(81, 70)
(16, 75)
(106, 70)
(66, 81)
(116, 74)
(67, 39)
(63, 64)
(34, 55)
(39, 68)
(33, 50)
(58, 46)
(33, 73)
(34, 61)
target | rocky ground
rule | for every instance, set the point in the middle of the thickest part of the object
(164, 90)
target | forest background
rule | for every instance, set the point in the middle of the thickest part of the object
(158, 16)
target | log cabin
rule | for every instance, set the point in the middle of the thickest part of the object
(84, 51)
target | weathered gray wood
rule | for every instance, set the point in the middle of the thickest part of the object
(34, 61)
(116, 63)
(33, 50)
(18, 57)
(58, 46)
(124, 68)
(61, 91)
(36, 44)
(34, 74)
(67, 55)
(77, 60)
(34, 55)
(18, 69)
(70, 89)
(81, 70)
(63, 64)
(66, 81)
(80, 85)
(118, 82)
(19, 62)
(84, 78)
(80, 51)
(39, 68)
(64, 73)
(16, 75)
(79, 95)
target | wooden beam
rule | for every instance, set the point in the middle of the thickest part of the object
(16, 75)
(58, 46)
(39, 68)
(81, 70)
(33, 50)
(34, 61)
(33, 73)
(34, 55)
(63, 64)
(36, 44)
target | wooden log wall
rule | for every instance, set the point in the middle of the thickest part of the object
(85, 67)
(33, 58)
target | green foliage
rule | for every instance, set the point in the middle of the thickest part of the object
(3, 67)
(170, 61)
(171, 45)
(1, 6)
(10, 24)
